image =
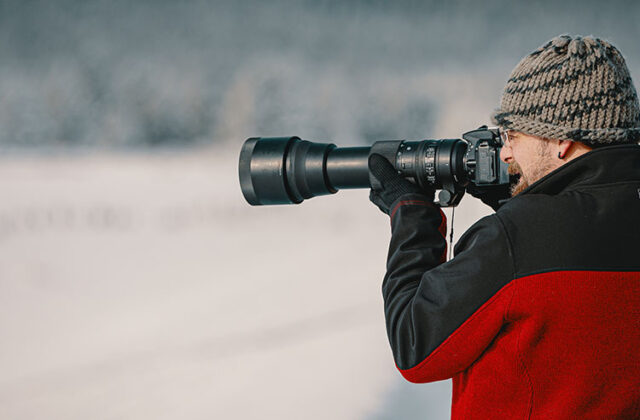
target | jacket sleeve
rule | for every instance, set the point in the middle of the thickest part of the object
(441, 316)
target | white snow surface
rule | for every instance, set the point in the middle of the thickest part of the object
(143, 286)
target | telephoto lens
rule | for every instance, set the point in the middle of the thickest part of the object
(288, 170)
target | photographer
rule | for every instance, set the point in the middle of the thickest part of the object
(537, 314)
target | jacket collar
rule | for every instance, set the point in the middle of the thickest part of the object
(600, 166)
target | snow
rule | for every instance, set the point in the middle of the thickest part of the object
(143, 286)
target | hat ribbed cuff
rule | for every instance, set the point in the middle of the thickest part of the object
(592, 137)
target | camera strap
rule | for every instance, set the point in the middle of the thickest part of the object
(453, 213)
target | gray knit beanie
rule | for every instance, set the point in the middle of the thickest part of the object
(572, 89)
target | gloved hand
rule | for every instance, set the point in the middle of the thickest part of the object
(393, 184)
(491, 196)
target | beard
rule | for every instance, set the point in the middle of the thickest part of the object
(542, 164)
(521, 183)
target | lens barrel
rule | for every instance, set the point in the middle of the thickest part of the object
(288, 170)
(262, 171)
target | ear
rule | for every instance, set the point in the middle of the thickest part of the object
(564, 147)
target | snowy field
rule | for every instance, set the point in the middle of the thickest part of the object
(144, 287)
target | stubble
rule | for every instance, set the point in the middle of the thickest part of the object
(541, 166)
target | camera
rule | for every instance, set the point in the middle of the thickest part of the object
(288, 170)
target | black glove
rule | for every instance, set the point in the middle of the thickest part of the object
(491, 196)
(393, 184)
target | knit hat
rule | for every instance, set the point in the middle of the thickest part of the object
(572, 89)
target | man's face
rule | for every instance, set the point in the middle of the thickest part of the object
(527, 156)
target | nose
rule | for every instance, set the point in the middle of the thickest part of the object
(506, 154)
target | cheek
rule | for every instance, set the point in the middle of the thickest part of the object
(520, 159)
(525, 156)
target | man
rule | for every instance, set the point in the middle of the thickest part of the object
(538, 313)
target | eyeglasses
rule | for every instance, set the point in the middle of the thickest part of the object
(504, 137)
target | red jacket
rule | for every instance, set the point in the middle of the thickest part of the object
(538, 314)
